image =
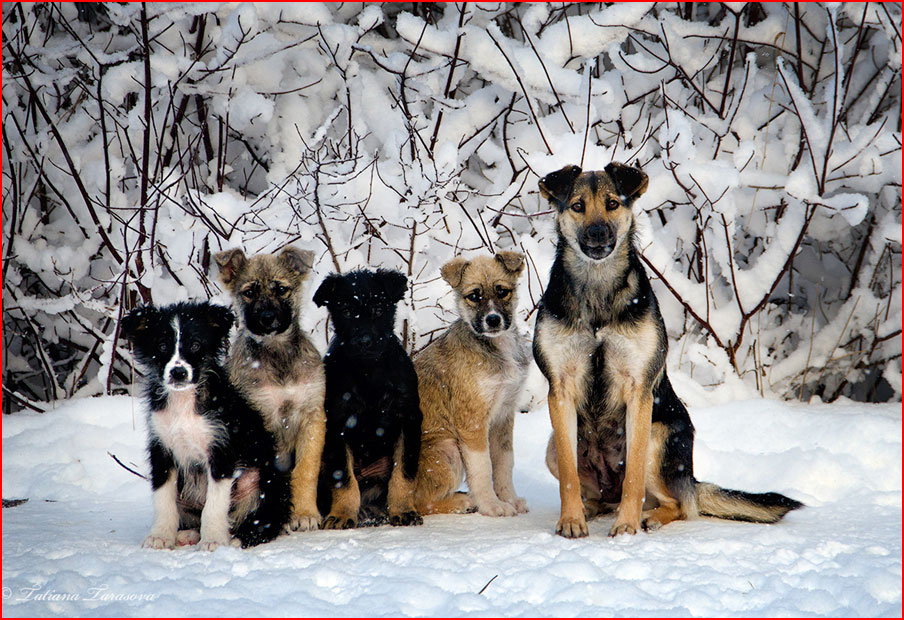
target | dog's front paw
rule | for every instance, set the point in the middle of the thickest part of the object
(572, 527)
(410, 517)
(214, 542)
(303, 523)
(186, 538)
(338, 522)
(155, 541)
(624, 527)
(496, 508)
(520, 505)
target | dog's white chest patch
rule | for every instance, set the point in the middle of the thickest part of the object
(185, 433)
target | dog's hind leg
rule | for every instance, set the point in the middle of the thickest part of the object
(503, 459)
(308, 453)
(440, 473)
(669, 508)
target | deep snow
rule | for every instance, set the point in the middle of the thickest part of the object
(73, 548)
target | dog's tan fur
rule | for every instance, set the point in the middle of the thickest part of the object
(468, 385)
(281, 374)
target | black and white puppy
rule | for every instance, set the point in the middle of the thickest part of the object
(212, 460)
(373, 415)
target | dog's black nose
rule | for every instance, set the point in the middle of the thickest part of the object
(268, 317)
(178, 374)
(364, 340)
(598, 233)
(493, 320)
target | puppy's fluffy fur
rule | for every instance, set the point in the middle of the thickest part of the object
(373, 415)
(212, 460)
(469, 380)
(277, 367)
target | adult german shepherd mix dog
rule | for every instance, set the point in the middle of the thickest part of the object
(212, 460)
(619, 431)
(373, 429)
(277, 367)
(469, 380)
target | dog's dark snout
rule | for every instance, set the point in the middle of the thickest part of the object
(268, 317)
(598, 233)
(493, 320)
(363, 340)
(178, 374)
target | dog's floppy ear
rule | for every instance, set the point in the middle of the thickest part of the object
(453, 271)
(231, 263)
(513, 262)
(299, 261)
(326, 290)
(220, 319)
(395, 283)
(629, 181)
(137, 321)
(556, 186)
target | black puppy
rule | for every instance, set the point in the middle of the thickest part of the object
(373, 427)
(212, 460)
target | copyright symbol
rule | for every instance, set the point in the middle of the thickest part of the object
(7, 592)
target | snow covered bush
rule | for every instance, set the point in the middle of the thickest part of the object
(139, 139)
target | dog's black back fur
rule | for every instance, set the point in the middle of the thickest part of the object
(371, 388)
(242, 441)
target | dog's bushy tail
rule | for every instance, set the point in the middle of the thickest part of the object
(714, 501)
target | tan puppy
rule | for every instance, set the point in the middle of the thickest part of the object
(277, 367)
(468, 382)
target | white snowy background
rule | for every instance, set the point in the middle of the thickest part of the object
(140, 139)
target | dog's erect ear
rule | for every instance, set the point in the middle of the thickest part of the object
(453, 271)
(395, 283)
(137, 321)
(299, 261)
(513, 262)
(327, 288)
(231, 263)
(556, 186)
(629, 181)
(220, 319)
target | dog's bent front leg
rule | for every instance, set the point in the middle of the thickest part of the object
(503, 459)
(639, 399)
(400, 500)
(308, 454)
(215, 515)
(346, 496)
(563, 415)
(476, 455)
(166, 511)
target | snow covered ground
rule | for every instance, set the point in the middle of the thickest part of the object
(73, 548)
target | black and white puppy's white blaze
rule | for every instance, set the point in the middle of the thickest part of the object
(373, 414)
(212, 460)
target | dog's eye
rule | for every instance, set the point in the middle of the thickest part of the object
(377, 311)
(248, 294)
(578, 207)
(195, 346)
(473, 296)
(502, 292)
(612, 204)
(162, 346)
(279, 290)
(347, 312)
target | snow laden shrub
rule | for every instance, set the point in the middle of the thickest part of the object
(139, 139)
